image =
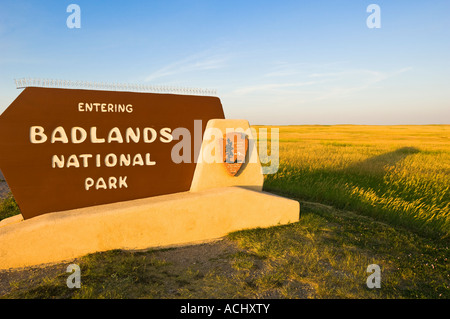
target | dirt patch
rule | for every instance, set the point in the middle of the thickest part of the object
(4, 188)
(30, 276)
(202, 257)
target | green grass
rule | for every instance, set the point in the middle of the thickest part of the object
(369, 195)
(8, 207)
(325, 255)
(331, 249)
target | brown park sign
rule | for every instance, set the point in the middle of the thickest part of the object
(62, 149)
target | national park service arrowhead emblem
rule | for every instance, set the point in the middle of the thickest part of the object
(234, 151)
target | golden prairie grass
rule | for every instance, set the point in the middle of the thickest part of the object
(399, 174)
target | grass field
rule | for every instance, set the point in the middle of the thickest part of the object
(368, 195)
(398, 174)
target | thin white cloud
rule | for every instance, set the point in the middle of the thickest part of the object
(317, 86)
(365, 79)
(271, 86)
(193, 63)
(325, 75)
(283, 69)
(281, 73)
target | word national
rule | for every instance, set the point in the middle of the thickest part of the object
(110, 160)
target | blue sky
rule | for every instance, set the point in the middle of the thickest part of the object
(271, 62)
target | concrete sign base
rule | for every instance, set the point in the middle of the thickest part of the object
(160, 221)
(216, 205)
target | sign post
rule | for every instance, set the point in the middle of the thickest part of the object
(95, 170)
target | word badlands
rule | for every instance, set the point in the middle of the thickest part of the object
(79, 135)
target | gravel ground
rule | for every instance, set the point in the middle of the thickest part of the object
(4, 189)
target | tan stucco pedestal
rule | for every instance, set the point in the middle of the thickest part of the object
(152, 222)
